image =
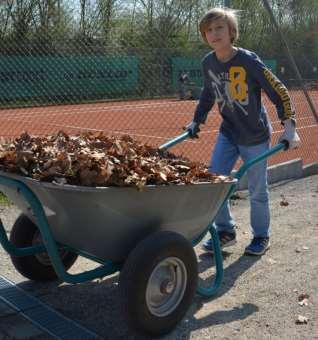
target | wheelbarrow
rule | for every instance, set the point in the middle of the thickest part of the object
(147, 235)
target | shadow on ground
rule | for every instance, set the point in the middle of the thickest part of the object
(96, 304)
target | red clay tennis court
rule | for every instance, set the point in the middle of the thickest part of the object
(155, 121)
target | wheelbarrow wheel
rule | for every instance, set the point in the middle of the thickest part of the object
(36, 267)
(158, 282)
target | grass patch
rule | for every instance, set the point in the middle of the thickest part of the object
(4, 200)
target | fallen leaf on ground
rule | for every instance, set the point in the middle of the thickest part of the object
(301, 319)
(303, 296)
(283, 202)
(271, 261)
(238, 196)
(304, 302)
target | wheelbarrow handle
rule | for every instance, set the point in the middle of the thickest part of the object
(185, 135)
(283, 145)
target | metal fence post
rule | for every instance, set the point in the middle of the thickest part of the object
(291, 58)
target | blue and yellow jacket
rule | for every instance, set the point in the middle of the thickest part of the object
(236, 87)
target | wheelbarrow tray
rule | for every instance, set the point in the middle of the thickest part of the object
(108, 222)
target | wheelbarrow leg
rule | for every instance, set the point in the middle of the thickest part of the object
(210, 291)
(13, 250)
(49, 243)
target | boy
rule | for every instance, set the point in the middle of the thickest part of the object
(233, 78)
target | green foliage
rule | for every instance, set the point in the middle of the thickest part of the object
(152, 24)
(4, 200)
(155, 30)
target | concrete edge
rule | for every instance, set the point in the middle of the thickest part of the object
(310, 169)
(283, 171)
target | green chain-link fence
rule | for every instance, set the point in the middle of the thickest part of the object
(125, 78)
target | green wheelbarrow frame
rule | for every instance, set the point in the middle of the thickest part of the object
(108, 267)
(210, 291)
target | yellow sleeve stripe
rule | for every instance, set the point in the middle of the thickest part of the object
(281, 90)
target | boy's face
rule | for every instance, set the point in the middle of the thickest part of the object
(218, 35)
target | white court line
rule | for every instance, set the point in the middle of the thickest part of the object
(269, 103)
(103, 130)
(297, 119)
(217, 131)
(95, 130)
(69, 113)
(103, 109)
(23, 116)
(83, 109)
(145, 135)
(276, 131)
(18, 118)
(58, 114)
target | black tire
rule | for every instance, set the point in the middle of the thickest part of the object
(159, 248)
(23, 234)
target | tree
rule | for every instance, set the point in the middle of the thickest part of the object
(106, 10)
(21, 14)
(5, 11)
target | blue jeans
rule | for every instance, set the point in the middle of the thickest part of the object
(224, 157)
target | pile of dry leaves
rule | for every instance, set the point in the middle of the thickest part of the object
(98, 160)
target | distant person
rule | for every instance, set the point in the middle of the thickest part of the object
(234, 78)
(183, 86)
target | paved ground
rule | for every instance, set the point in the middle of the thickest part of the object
(258, 299)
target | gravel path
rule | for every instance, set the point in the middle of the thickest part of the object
(258, 298)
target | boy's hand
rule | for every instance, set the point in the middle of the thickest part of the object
(193, 129)
(290, 134)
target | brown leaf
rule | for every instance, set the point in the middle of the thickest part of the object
(303, 296)
(301, 319)
(163, 176)
(283, 202)
(304, 302)
(92, 159)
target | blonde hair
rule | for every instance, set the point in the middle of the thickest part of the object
(230, 17)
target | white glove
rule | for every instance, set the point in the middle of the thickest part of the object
(290, 134)
(193, 129)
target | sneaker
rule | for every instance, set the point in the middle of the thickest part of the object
(226, 238)
(258, 246)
